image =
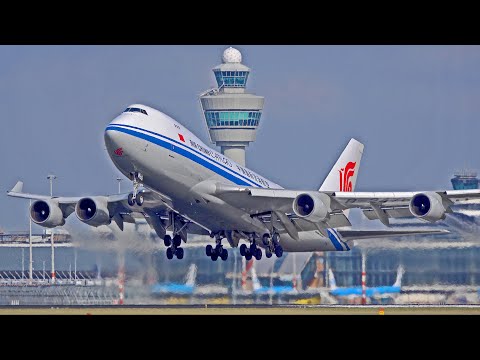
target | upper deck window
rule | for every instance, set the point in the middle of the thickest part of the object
(136, 110)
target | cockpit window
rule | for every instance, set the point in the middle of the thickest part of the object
(136, 110)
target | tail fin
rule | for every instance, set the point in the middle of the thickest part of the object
(343, 175)
(331, 280)
(191, 275)
(256, 283)
(398, 281)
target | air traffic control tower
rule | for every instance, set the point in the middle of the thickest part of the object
(231, 114)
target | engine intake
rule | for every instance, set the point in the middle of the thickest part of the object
(313, 207)
(46, 213)
(93, 211)
(427, 206)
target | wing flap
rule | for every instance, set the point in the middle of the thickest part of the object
(348, 235)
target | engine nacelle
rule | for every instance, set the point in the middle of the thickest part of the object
(427, 206)
(47, 213)
(312, 206)
(93, 211)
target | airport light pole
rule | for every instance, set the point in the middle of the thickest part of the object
(119, 179)
(52, 177)
(30, 266)
(364, 278)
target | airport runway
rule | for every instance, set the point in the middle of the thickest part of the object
(245, 310)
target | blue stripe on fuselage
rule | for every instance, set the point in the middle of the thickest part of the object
(339, 238)
(334, 240)
(189, 149)
(183, 152)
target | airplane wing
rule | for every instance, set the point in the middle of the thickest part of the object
(115, 206)
(310, 210)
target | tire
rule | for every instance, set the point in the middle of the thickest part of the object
(177, 240)
(214, 257)
(258, 254)
(268, 253)
(130, 200)
(209, 250)
(243, 249)
(248, 256)
(179, 253)
(219, 250)
(253, 248)
(169, 254)
(276, 238)
(265, 238)
(139, 200)
(224, 254)
(167, 240)
(279, 251)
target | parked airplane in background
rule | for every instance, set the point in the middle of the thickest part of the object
(369, 291)
(182, 186)
(269, 290)
(176, 288)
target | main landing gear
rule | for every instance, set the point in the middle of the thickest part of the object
(251, 251)
(134, 197)
(173, 245)
(272, 246)
(218, 251)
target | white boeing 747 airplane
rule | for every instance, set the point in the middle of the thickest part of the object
(182, 186)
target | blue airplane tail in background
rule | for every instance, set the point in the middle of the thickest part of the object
(370, 291)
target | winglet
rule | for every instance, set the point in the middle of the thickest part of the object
(18, 188)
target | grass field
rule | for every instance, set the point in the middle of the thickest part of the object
(211, 310)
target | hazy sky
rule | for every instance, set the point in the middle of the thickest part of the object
(416, 109)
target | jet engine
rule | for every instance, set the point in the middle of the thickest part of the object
(93, 211)
(313, 206)
(427, 206)
(46, 213)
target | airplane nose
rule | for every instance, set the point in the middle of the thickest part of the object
(111, 140)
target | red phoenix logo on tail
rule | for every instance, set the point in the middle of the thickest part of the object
(345, 175)
(119, 152)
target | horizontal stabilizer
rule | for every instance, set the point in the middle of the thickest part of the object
(18, 188)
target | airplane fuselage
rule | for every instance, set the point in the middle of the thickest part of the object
(175, 163)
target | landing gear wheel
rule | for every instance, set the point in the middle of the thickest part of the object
(167, 240)
(243, 249)
(177, 240)
(265, 238)
(209, 250)
(253, 248)
(130, 199)
(258, 254)
(224, 255)
(214, 256)
(139, 200)
(276, 238)
(169, 254)
(248, 256)
(179, 253)
(218, 250)
(268, 253)
(279, 251)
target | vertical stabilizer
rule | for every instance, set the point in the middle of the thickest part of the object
(331, 280)
(343, 175)
(191, 275)
(398, 280)
(255, 282)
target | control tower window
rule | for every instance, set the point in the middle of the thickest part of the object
(231, 78)
(136, 110)
(232, 118)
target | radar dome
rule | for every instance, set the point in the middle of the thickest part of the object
(232, 55)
